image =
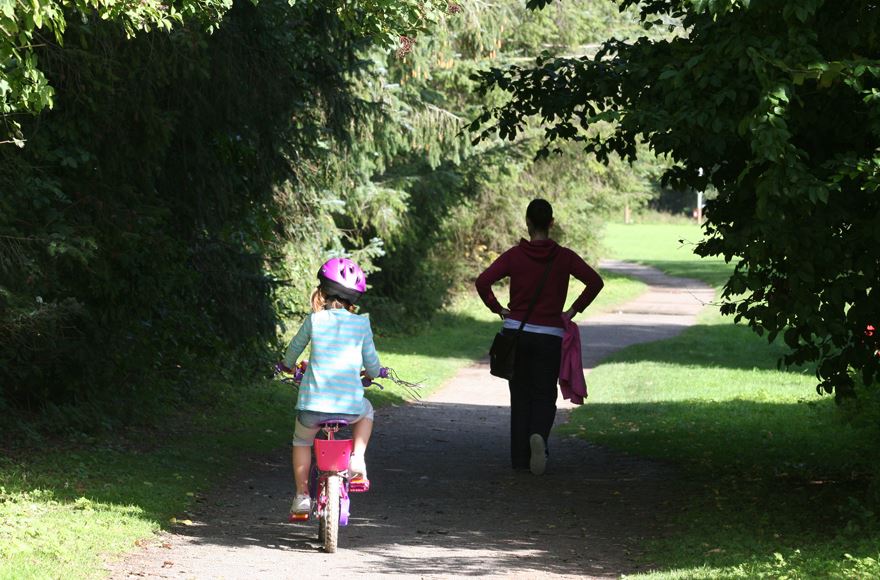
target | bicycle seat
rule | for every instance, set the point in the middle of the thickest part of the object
(333, 423)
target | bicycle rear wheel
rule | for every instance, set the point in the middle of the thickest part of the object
(330, 517)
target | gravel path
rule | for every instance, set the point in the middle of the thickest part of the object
(444, 502)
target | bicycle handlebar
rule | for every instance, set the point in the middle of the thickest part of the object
(384, 373)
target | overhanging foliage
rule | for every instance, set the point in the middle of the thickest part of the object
(165, 219)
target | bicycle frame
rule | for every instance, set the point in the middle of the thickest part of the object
(330, 484)
(331, 459)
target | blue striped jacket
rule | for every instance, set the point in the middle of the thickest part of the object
(342, 344)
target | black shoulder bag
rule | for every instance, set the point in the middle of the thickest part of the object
(502, 354)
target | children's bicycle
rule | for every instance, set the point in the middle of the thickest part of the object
(330, 482)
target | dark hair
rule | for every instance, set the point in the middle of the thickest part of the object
(540, 213)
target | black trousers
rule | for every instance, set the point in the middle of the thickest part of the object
(533, 392)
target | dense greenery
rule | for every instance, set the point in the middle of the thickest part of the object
(138, 220)
(165, 217)
(462, 205)
(26, 27)
(775, 105)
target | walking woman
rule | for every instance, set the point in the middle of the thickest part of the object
(539, 346)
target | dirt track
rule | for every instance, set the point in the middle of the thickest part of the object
(444, 502)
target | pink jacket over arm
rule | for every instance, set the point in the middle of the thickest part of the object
(571, 372)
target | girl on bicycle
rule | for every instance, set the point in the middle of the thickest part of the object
(342, 344)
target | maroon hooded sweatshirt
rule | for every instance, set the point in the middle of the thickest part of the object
(525, 265)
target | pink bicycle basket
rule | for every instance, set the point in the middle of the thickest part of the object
(333, 455)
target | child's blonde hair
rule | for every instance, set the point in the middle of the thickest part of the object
(320, 301)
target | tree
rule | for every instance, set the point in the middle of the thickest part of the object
(159, 213)
(25, 27)
(442, 207)
(777, 105)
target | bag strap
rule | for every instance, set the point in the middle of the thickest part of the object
(537, 294)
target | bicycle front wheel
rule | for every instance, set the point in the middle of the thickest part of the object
(330, 519)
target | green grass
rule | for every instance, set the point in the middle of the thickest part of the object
(63, 508)
(650, 216)
(775, 481)
(669, 247)
(68, 506)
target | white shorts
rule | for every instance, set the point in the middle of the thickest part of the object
(307, 423)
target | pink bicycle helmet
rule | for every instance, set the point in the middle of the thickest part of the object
(343, 278)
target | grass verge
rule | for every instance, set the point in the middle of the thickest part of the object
(776, 481)
(66, 508)
(669, 247)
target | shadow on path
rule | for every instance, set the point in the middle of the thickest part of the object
(444, 503)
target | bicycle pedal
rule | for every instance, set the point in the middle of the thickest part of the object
(359, 485)
(298, 517)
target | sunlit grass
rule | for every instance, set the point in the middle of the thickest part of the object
(669, 247)
(37, 529)
(67, 506)
(714, 397)
(775, 482)
(639, 242)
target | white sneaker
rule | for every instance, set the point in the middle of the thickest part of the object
(301, 503)
(357, 467)
(538, 461)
